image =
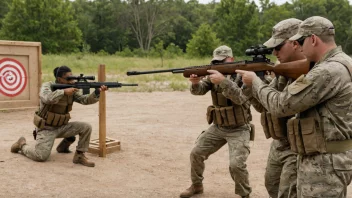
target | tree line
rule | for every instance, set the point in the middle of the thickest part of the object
(159, 27)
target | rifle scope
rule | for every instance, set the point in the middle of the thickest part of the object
(258, 50)
(80, 77)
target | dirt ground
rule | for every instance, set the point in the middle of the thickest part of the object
(157, 132)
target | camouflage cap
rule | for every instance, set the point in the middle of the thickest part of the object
(282, 31)
(314, 25)
(221, 53)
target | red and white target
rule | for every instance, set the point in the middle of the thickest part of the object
(13, 77)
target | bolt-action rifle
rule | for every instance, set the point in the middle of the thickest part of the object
(82, 83)
(259, 64)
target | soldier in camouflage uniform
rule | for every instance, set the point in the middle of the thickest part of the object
(321, 132)
(281, 171)
(230, 115)
(52, 119)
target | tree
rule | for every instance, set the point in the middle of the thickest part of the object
(148, 20)
(238, 24)
(4, 8)
(203, 42)
(47, 21)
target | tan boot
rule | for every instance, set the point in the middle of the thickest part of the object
(79, 158)
(17, 146)
(64, 145)
(194, 189)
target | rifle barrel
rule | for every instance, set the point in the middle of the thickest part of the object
(132, 73)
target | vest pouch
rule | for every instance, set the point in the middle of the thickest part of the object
(49, 118)
(224, 116)
(210, 114)
(279, 127)
(230, 115)
(217, 119)
(312, 138)
(67, 118)
(265, 125)
(298, 136)
(291, 135)
(271, 126)
(56, 120)
(62, 120)
(239, 115)
(38, 121)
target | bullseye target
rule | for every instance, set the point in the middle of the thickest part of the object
(13, 77)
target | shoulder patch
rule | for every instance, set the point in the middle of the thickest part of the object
(299, 85)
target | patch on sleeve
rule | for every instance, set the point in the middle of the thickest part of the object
(299, 85)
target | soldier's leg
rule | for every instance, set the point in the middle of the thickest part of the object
(82, 129)
(324, 175)
(288, 179)
(207, 143)
(273, 172)
(238, 142)
(42, 148)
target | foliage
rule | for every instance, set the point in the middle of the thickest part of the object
(203, 42)
(47, 21)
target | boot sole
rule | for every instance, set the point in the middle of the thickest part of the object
(93, 165)
(200, 192)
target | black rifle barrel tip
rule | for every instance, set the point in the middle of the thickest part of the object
(129, 73)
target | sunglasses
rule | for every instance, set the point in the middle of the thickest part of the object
(278, 48)
(302, 39)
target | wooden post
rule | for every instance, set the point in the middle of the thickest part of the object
(102, 114)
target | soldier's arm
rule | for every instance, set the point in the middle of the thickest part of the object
(233, 92)
(320, 84)
(202, 87)
(48, 96)
(254, 101)
(87, 98)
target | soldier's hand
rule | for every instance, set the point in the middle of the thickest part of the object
(215, 76)
(194, 79)
(103, 88)
(247, 76)
(70, 91)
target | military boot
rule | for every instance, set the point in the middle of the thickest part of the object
(194, 189)
(64, 145)
(17, 146)
(79, 158)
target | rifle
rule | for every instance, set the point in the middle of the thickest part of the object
(82, 83)
(259, 64)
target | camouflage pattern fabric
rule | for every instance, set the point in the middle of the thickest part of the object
(326, 89)
(281, 167)
(215, 137)
(41, 150)
(46, 137)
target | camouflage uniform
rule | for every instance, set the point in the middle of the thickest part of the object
(216, 136)
(281, 168)
(46, 136)
(322, 130)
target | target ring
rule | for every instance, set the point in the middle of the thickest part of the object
(13, 77)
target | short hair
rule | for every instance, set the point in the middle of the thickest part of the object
(61, 71)
(327, 38)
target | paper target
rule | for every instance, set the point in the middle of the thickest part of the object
(13, 77)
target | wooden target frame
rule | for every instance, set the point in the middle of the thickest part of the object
(20, 74)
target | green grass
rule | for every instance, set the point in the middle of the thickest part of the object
(116, 68)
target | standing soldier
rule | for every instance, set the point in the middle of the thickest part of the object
(281, 169)
(321, 132)
(230, 115)
(52, 119)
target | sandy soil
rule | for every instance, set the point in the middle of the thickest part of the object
(157, 132)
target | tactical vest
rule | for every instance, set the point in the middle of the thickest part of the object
(225, 113)
(306, 135)
(54, 115)
(272, 126)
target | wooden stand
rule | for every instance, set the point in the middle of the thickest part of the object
(103, 145)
